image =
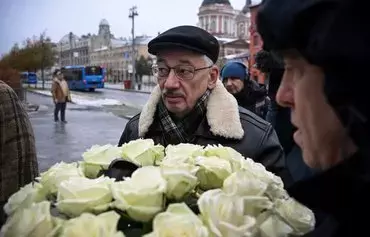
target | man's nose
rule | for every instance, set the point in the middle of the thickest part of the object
(285, 94)
(172, 81)
(229, 82)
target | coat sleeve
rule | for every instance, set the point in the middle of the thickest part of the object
(131, 131)
(125, 136)
(272, 156)
(17, 145)
(53, 89)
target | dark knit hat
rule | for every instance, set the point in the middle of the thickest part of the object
(186, 37)
(234, 70)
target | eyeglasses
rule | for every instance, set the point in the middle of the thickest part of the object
(184, 72)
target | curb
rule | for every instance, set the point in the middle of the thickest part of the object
(128, 90)
(34, 92)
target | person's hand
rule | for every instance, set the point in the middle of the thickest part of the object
(55, 101)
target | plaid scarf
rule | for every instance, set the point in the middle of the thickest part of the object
(182, 131)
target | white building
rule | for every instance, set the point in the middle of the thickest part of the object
(230, 26)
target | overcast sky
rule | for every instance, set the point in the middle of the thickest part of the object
(24, 18)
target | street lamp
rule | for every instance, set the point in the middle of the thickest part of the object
(132, 15)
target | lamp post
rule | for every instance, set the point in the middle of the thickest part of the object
(132, 15)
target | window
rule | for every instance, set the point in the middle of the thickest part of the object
(213, 24)
(93, 71)
(225, 25)
(72, 74)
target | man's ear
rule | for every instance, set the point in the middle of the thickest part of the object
(213, 77)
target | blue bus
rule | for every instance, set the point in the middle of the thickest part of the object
(84, 77)
(29, 77)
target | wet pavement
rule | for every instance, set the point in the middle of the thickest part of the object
(66, 142)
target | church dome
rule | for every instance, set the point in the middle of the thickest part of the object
(248, 3)
(104, 22)
(211, 2)
(67, 37)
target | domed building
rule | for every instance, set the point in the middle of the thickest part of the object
(228, 25)
(74, 50)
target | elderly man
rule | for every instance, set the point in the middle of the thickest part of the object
(329, 102)
(191, 105)
(18, 162)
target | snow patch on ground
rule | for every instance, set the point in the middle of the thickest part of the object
(83, 100)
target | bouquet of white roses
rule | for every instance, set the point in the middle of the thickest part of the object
(153, 191)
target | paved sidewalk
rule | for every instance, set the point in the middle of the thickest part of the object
(86, 126)
(119, 86)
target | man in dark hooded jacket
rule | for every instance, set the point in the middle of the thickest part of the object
(329, 109)
(249, 94)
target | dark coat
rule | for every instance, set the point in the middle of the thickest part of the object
(343, 193)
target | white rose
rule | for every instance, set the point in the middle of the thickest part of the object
(78, 195)
(242, 183)
(224, 214)
(299, 217)
(181, 179)
(59, 172)
(34, 221)
(141, 196)
(212, 172)
(273, 226)
(183, 150)
(226, 153)
(25, 197)
(143, 152)
(275, 188)
(178, 220)
(88, 225)
(260, 172)
(250, 189)
(98, 158)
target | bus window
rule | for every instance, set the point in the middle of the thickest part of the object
(24, 76)
(91, 71)
(72, 74)
(32, 76)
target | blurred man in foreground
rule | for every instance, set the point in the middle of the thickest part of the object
(18, 162)
(328, 107)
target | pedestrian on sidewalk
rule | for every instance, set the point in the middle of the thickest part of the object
(61, 95)
(18, 161)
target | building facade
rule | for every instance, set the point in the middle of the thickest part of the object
(102, 49)
(117, 57)
(75, 50)
(256, 44)
(228, 25)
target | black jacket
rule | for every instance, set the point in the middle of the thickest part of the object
(343, 193)
(254, 98)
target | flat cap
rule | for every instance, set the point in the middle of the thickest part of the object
(186, 37)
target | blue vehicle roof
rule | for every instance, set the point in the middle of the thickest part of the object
(26, 73)
(78, 66)
(75, 66)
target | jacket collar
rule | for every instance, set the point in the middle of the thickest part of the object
(342, 187)
(222, 113)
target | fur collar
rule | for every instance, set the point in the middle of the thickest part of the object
(222, 113)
